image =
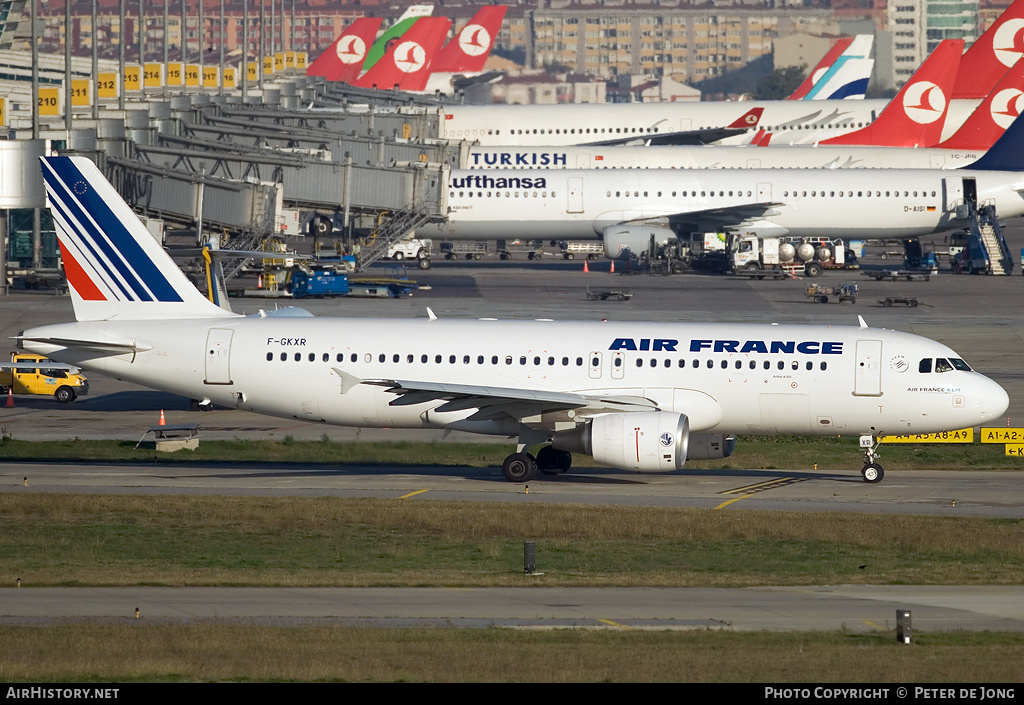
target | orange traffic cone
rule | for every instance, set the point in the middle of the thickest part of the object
(10, 397)
(163, 421)
(585, 267)
(612, 270)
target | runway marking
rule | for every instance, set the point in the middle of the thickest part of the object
(413, 494)
(877, 627)
(610, 623)
(751, 490)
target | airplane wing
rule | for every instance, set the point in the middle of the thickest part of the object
(711, 219)
(686, 138)
(494, 402)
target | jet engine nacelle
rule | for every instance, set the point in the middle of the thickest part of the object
(632, 240)
(651, 441)
(710, 446)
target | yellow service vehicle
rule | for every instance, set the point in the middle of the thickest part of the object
(34, 374)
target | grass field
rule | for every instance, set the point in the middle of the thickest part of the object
(229, 652)
(48, 539)
(82, 540)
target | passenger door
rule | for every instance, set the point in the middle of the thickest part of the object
(867, 380)
(218, 356)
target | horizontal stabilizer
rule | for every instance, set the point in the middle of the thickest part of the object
(107, 345)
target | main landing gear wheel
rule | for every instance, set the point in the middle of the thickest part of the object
(552, 461)
(872, 473)
(519, 467)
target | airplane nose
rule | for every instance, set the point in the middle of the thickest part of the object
(993, 401)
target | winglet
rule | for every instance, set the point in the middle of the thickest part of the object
(863, 323)
(430, 314)
(748, 119)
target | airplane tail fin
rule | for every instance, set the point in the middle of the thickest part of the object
(114, 266)
(468, 50)
(831, 56)
(846, 81)
(406, 65)
(848, 75)
(995, 114)
(343, 60)
(914, 118)
(991, 55)
(402, 25)
(1007, 154)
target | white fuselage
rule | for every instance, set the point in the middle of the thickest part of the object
(789, 121)
(716, 157)
(854, 203)
(727, 378)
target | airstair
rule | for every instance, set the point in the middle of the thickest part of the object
(986, 250)
(392, 227)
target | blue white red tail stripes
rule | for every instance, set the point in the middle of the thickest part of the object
(112, 262)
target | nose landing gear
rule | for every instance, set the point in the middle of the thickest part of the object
(871, 472)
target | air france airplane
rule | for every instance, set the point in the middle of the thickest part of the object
(637, 396)
(626, 207)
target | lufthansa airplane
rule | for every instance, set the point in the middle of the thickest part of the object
(637, 396)
(626, 207)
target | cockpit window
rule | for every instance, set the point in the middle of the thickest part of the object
(943, 364)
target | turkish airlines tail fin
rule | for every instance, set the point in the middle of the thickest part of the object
(847, 77)
(468, 50)
(402, 25)
(114, 266)
(992, 54)
(406, 65)
(1007, 154)
(343, 60)
(995, 114)
(914, 118)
